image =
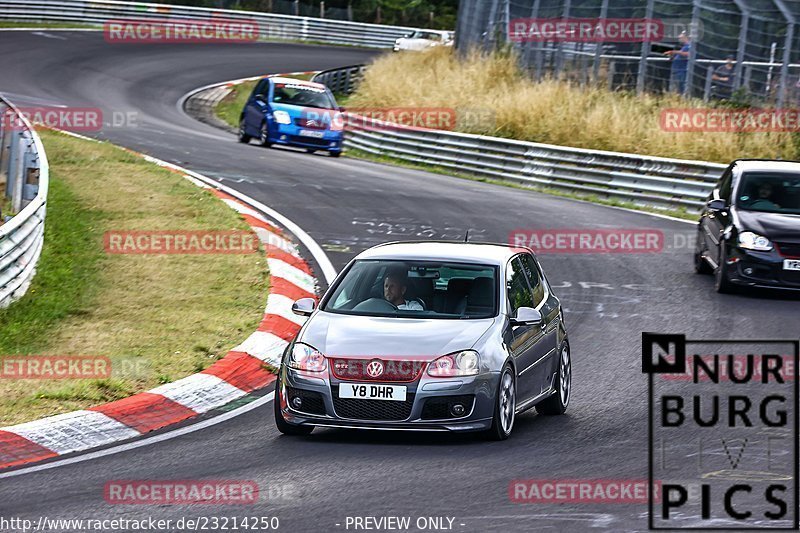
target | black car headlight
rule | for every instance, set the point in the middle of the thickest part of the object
(753, 241)
(307, 358)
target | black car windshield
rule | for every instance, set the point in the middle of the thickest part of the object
(769, 192)
(416, 289)
(302, 95)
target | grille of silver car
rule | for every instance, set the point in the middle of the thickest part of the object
(358, 409)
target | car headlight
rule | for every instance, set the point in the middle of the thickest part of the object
(466, 363)
(337, 124)
(753, 241)
(305, 357)
(282, 117)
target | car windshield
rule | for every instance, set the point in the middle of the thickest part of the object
(430, 36)
(416, 289)
(769, 192)
(302, 95)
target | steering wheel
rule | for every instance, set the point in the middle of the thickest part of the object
(375, 305)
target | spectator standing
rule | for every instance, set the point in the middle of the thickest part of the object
(680, 62)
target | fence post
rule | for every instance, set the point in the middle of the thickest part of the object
(296, 8)
(599, 46)
(687, 88)
(560, 48)
(5, 123)
(322, 10)
(748, 71)
(640, 78)
(612, 69)
(787, 50)
(491, 26)
(743, 29)
(529, 43)
(707, 88)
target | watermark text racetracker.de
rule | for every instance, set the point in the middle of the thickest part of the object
(188, 242)
(719, 120)
(402, 117)
(76, 119)
(54, 367)
(213, 30)
(149, 524)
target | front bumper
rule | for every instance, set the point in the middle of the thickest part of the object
(761, 269)
(289, 135)
(320, 396)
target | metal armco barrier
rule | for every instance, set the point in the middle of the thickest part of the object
(341, 80)
(271, 26)
(23, 166)
(643, 180)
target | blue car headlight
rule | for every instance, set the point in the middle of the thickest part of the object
(282, 117)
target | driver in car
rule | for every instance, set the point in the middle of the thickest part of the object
(395, 285)
(764, 199)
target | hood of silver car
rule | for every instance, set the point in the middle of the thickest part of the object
(339, 335)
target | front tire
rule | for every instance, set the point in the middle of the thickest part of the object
(283, 426)
(243, 136)
(557, 403)
(505, 406)
(701, 266)
(722, 281)
(335, 154)
(264, 136)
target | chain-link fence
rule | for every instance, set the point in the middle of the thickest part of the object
(741, 50)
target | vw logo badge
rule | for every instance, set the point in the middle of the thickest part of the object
(375, 368)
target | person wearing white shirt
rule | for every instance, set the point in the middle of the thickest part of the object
(395, 285)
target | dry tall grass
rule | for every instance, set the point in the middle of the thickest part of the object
(552, 111)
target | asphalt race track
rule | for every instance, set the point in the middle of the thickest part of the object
(347, 205)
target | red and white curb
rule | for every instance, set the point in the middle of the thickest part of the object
(244, 369)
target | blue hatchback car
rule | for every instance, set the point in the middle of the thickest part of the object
(293, 113)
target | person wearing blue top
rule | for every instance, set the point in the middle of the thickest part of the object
(680, 62)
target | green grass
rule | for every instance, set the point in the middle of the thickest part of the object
(156, 317)
(66, 278)
(45, 25)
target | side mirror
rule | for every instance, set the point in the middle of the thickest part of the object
(304, 306)
(717, 205)
(527, 316)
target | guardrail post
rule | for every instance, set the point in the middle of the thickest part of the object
(707, 88)
(12, 162)
(347, 80)
(17, 172)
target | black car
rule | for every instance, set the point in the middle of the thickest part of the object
(749, 231)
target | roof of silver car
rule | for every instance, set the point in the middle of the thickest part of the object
(473, 252)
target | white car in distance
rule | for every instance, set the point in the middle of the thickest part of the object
(423, 39)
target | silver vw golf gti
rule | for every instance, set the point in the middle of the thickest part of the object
(428, 336)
